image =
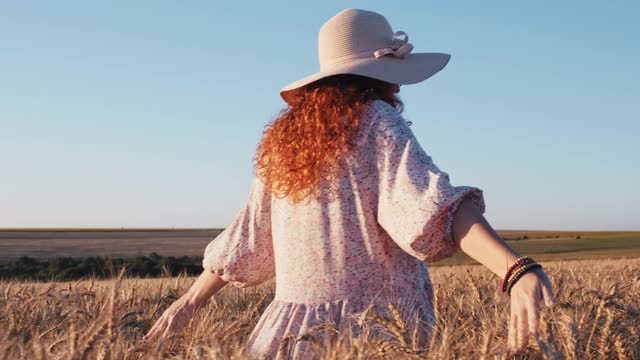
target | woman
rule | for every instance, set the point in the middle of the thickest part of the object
(347, 208)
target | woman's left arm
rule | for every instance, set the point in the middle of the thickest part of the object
(478, 239)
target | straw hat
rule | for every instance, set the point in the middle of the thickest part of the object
(361, 42)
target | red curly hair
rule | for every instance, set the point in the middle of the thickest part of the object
(302, 145)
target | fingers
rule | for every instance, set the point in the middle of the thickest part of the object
(161, 330)
(141, 347)
(169, 330)
(533, 313)
(173, 328)
(526, 304)
(547, 294)
(522, 323)
(511, 340)
(171, 321)
(522, 335)
(156, 330)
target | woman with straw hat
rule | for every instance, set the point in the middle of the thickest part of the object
(346, 209)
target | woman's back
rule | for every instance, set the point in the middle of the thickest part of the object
(362, 237)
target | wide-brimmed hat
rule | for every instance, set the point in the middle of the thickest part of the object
(361, 42)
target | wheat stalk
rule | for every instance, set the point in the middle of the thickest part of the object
(39, 351)
(90, 341)
(283, 348)
(73, 335)
(595, 324)
(604, 336)
(415, 333)
(621, 348)
(486, 344)
(570, 332)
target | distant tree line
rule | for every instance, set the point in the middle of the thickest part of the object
(526, 237)
(68, 268)
(521, 237)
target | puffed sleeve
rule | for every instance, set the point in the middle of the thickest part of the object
(243, 252)
(416, 201)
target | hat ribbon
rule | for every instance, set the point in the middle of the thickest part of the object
(400, 47)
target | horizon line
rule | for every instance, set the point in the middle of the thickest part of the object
(123, 228)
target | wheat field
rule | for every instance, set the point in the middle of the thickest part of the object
(598, 316)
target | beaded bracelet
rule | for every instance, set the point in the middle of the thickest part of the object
(523, 260)
(519, 273)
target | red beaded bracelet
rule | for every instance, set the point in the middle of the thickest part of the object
(523, 270)
(521, 261)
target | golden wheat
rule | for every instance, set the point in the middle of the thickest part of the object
(598, 316)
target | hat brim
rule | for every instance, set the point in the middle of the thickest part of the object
(412, 69)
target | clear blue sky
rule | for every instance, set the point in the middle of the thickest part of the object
(147, 113)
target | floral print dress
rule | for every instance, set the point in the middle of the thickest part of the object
(336, 257)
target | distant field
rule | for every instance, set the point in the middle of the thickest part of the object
(47, 243)
(591, 245)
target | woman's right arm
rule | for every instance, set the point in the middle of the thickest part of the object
(207, 284)
(182, 310)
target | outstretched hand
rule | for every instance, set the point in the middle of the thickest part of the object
(527, 294)
(171, 323)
